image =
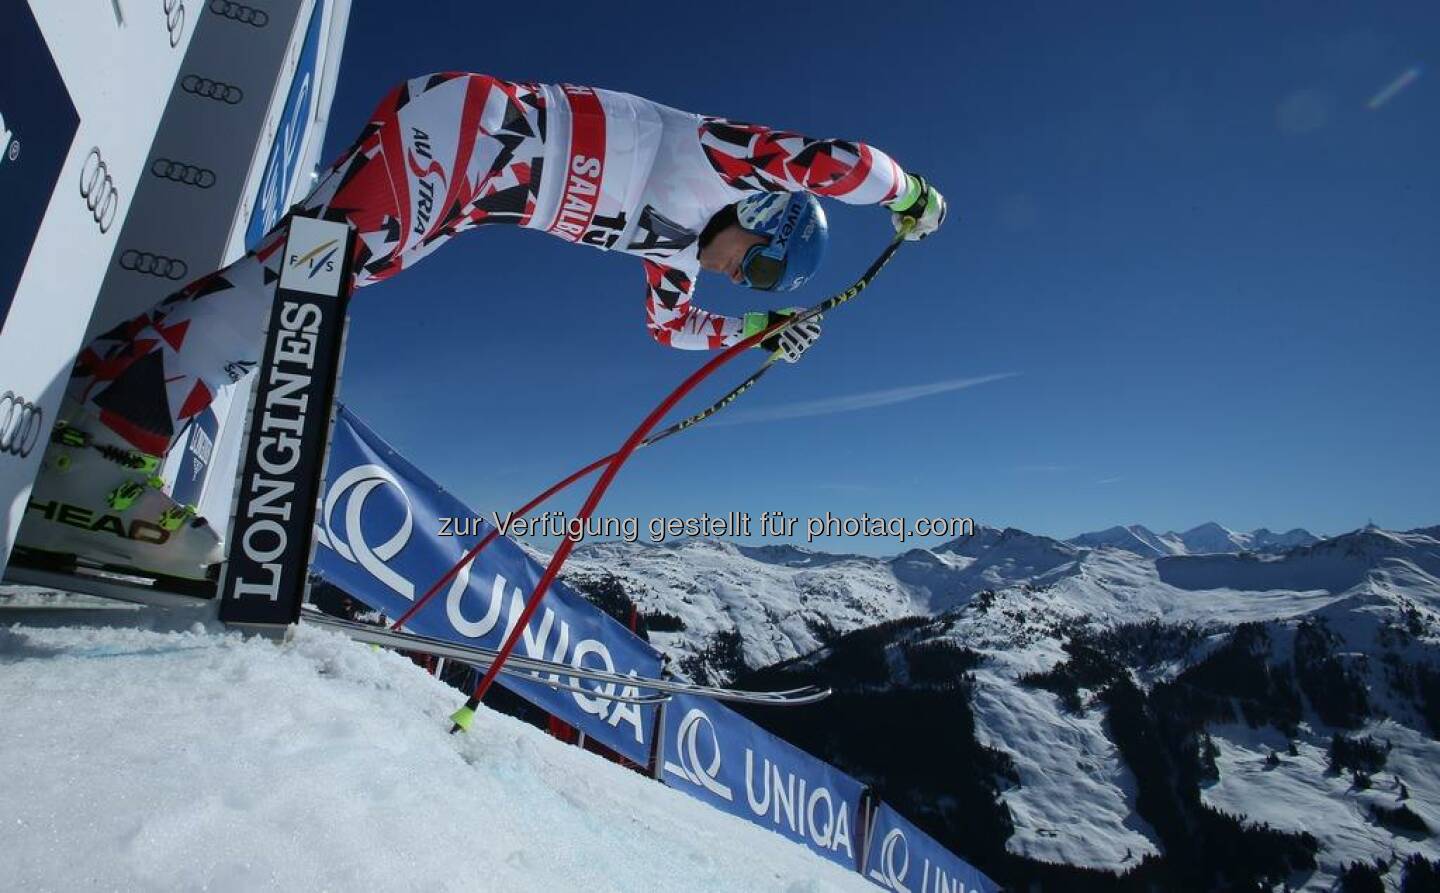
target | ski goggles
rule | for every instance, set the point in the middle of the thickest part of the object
(761, 269)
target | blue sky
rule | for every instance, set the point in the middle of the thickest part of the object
(1190, 272)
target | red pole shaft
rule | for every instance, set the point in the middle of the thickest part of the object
(489, 537)
(684, 388)
(617, 460)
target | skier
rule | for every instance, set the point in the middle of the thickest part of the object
(444, 154)
(450, 152)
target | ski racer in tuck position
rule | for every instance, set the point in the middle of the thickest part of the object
(451, 152)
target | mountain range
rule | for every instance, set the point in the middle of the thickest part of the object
(1207, 538)
(1176, 711)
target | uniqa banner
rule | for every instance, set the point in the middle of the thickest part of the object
(715, 754)
(378, 535)
(907, 860)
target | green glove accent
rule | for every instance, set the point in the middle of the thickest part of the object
(913, 188)
(756, 321)
(463, 717)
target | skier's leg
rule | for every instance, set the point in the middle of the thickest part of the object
(145, 378)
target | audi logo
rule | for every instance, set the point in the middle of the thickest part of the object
(240, 13)
(153, 264)
(180, 172)
(216, 90)
(20, 424)
(174, 20)
(98, 189)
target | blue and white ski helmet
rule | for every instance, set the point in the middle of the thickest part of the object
(796, 226)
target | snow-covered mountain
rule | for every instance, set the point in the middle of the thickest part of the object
(717, 608)
(1132, 538)
(1114, 711)
(1207, 538)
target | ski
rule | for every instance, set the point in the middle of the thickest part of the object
(536, 669)
(378, 636)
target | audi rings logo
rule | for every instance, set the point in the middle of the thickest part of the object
(216, 90)
(97, 187)
(153, 264)
(358, 483)
(687, 748)
(894, 848)
(180, 172)
(174, 20)
(20, 424)
(240, 13)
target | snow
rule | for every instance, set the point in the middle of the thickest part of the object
(1076, 799)
(141, 760)
(1132, 538)
(1301, 795)
(366, 729)
(32, 597)
(784, 602)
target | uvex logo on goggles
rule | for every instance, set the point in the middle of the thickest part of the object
(787, 229)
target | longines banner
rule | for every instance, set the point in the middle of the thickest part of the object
(378, 535)
(904, 859)
(721, 757)
(264, 581)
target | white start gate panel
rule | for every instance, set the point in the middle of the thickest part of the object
(144, 140)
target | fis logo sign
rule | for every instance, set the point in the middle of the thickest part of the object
(317, 259)
(9, 146)
(312, 260)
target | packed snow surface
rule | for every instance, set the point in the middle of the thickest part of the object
(137, 760)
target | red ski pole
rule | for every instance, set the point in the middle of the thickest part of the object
(465, 714)
(824, 306)
(463, 717)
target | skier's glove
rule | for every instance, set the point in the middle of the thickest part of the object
(921, 203)
(789, 342)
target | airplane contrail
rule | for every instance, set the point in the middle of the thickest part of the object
(855, 402)
(1389, 91)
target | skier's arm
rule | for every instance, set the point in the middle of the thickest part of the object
(754, 157)
(675, 322)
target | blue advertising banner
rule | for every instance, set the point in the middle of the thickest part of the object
(721, 757)
(280, 171)
(379, 535)
(905, 859)
(37, 123)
